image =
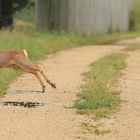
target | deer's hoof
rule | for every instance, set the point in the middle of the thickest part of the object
(43, 89)
(53, 85)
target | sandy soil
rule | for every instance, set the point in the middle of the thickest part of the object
(125, 124)
(133, 41)
(56, 120)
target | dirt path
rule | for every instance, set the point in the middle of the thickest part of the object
(54, 120)
(133, 41)
(125, 124)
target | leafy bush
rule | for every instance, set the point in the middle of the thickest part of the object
(20, 4)
(135, 16)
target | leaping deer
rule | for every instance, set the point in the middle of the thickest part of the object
(19, 60)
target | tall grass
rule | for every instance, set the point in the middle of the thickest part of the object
(132, 48)
(135, 16)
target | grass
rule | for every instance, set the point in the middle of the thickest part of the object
(27, 14)
(132, 48)
(6, 76)
(39, 45)
(135, 16)
(97, 95)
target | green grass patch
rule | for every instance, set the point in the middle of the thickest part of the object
(135, 16)
(98, 95)
(27, 14)
(6, 77)
(132, 48)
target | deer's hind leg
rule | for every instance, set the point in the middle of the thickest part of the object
(47, 80)
(37, 68)
(33, 71)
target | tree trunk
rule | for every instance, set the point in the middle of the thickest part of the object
(42, 7)
(6, 18)
(7, 11)
(0, 15)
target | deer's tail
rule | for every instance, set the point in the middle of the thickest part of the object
(25, 53)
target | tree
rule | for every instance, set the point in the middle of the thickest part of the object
(6, 19)
(20, 4)
(8, 8)
(47, 14)
(0, 16)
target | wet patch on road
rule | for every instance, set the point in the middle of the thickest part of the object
(22, 104)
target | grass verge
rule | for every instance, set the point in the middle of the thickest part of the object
(98, 95)
(132, 48)
(38, 45)
(134, 18)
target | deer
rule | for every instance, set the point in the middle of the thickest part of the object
(18, 60)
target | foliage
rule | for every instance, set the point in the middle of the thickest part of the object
(132, 48)
(27, 14)
(20, 4)
(135, 16)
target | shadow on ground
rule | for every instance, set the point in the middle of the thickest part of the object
(22, 104)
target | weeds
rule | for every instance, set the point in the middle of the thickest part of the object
(98, 96)
(135, 16)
